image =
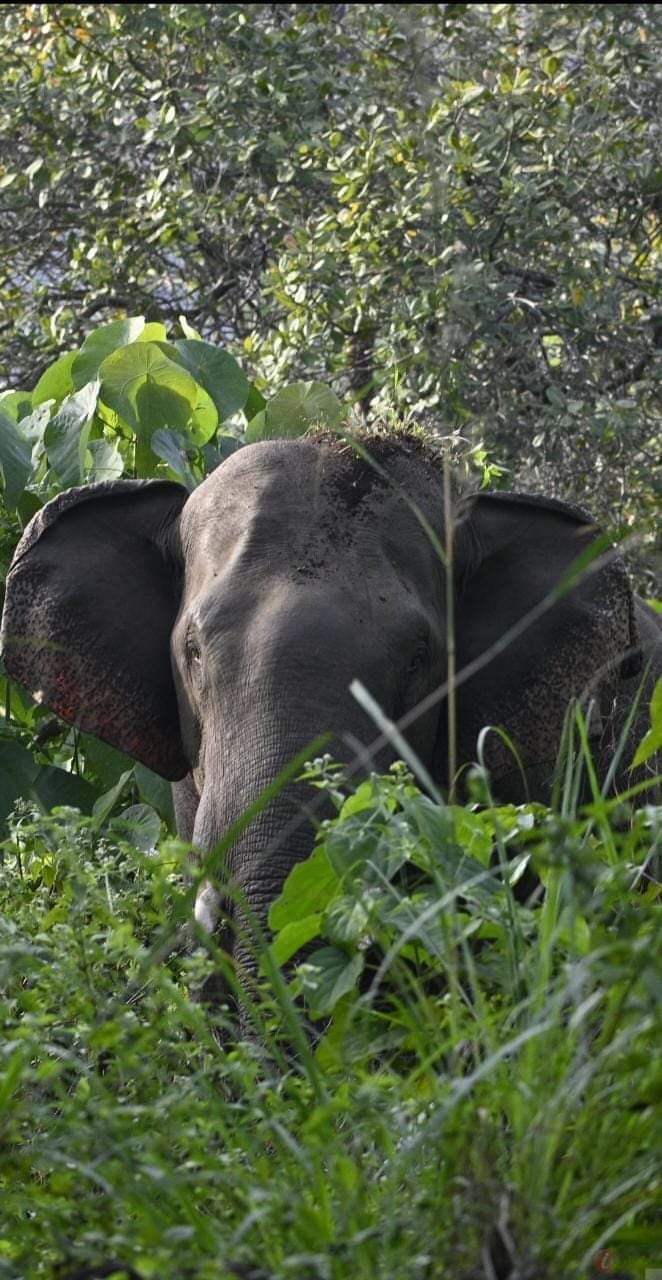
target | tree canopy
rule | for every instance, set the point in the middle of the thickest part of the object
(451, 209)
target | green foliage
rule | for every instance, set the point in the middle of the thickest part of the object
(652, 742)
(128, 402)
(453, 208)
(295, 409)
(450, 212)
(481, 1085)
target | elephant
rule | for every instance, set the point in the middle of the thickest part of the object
(213, 635)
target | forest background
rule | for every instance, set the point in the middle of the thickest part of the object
(450, 211)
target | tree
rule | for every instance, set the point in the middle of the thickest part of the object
(450, 208)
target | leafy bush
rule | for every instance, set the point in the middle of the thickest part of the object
(480, 1083)
(129, 402)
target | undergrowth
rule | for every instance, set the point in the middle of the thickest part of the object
(457, 1076)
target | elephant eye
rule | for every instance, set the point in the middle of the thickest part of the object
(419, 659)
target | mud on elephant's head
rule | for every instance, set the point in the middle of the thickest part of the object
(213, 636)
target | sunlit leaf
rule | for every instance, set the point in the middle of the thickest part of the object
(147, 389)
(216, 371)
(652, 742)
(296, 409)
(67, 433)
(100, 343)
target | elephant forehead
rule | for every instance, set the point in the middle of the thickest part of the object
(301, 502)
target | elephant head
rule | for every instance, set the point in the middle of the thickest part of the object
(214, 636)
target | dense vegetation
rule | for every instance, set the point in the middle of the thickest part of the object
(450, 208)
(443, 211)
(485, 1106)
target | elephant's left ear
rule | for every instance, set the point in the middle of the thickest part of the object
(91, 598)
(512, 553)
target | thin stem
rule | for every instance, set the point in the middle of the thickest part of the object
(450, 632)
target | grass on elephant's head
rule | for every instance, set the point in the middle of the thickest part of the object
(479, 1093)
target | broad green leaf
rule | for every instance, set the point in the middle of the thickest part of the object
(147, 389)
(293, 936)
(55, 786)
(217, 372)
(140, 825)
(106, 803)
(19, 447)
(66, 435)
(364, 798)
(652, 741)
(204, 418)
(308, 889)
(295, 409)
(155, 791)
(27, 506)
(107, 462)
(106, 762)
(255, 431)
(24, 709)
(101, 343)
(329, 974)
(57, 381)
(17, 774)
(346, 920)
(473, 834)
(34, 424)
(15, 457)
(351, 844)
(172, 448)
(255, 403)
(18, 404)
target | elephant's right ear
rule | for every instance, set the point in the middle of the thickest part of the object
(92, 596)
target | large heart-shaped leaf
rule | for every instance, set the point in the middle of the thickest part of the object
(56, 786)
(307, 891)
(156, 792)
(20, 446)
(217, 371)
(140, 825)
(294, 410)
(329, 974)
(204, 420)
(108, 338)
(56, 382)
(147, 389)
(293, 937)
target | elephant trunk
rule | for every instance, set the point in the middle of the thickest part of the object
(281, 834)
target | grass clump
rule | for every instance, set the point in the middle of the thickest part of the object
(478, 1095)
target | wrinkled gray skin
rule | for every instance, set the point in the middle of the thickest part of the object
(214, 636)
